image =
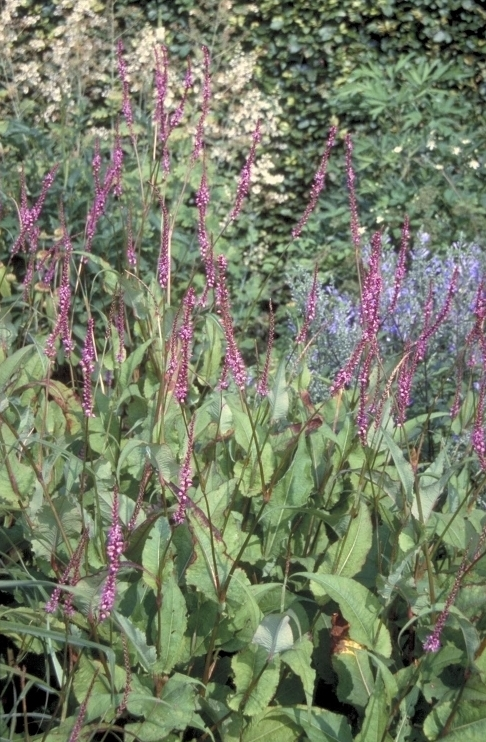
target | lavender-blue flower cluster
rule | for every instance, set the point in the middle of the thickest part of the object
(427, 282)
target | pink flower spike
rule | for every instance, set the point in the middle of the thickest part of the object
(185, 334)
(262, 386)
(202, 201)
(245, 175)
(61, 327)
(353, 204)
(371, 291)
(163, 268)
(206, 96)
(161, 79)
(176, 117)
(404, 382)
(115, 172)
(30, 217)
(318, 184)
(185, 476)
(87, 366)
(478, 439)
(432, 643)
(72, 567)
(82, 710)
(345, 375)
(401, 264)
(131, 256)
(114, 549)
(310, 310)
(123, 74)
(233, 360)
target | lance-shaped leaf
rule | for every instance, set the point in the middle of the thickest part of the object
(359, 607)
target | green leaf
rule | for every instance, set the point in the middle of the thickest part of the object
(404, 468)
(376, 717)
(22, 476)
(162, 457)
(431, 485)
(256, 680)
(211, 566)
(154, 553)
(319, 724)
(348, 554)
(355, 678)
(389, 680)
(145, 653)
(132, 363)
(288, 497)
(467, 723)
(358, 606)
(255, 444)
(135, 451)
(101, 702)
(212, 354)
(299, 659)
(175, 710)
(271, 726)
(173, 623)
(13, 364)
(63, 731)
(279, 395)
(274, 634)
(52, 528)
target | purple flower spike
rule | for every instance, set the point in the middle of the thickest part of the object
(371, 292)
(262, 386)
(176, 117)
(131, 256)
(61, 327)
(202, 201)
(353, 204)
(30, 217)
(123, 74)
(185, 334)
(310, 311)
(432, 643)
(318, 184)
(401, 265)
(87, 366)
(114, 549)
(72, 569)
(185, 477)
(161, 79)
(233, 361)
(206, 96)
(163, 268)
(478, 440)
(245, 175)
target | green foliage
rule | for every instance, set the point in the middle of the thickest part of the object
(407, 79)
